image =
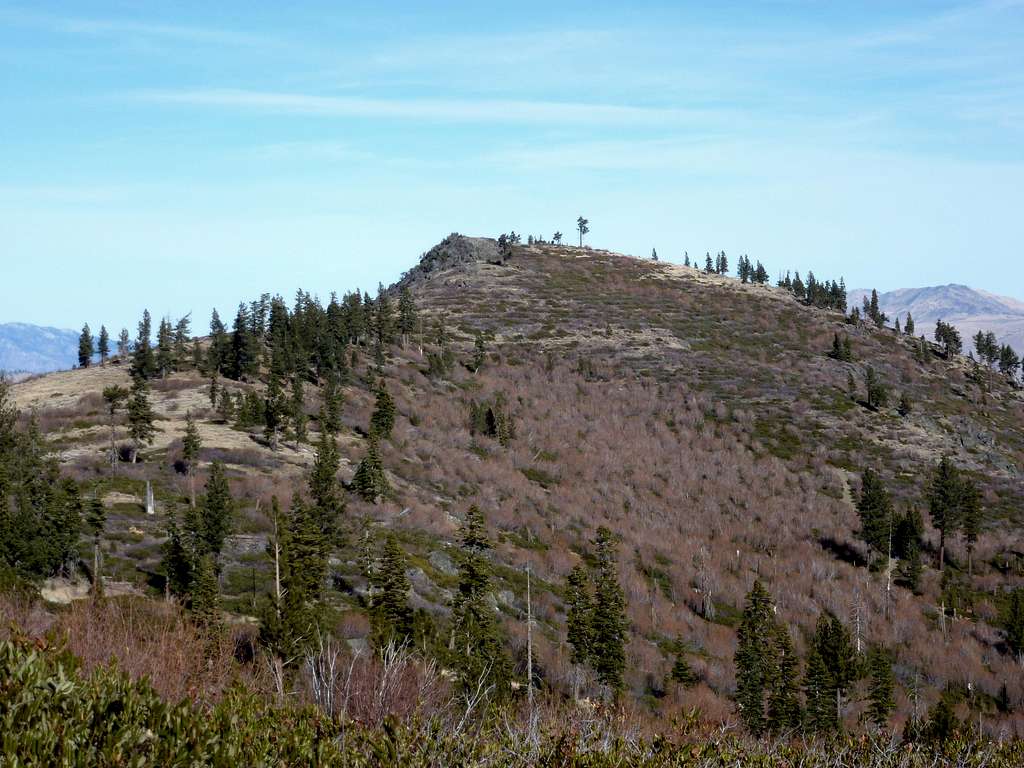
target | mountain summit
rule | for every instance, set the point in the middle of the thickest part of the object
(969, 309)
(655, 447)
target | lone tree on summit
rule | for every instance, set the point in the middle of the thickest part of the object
(581, 225)
(85, 347)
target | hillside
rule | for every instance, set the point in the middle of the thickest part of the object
(969, 309)
(698, 418)
(26, 348)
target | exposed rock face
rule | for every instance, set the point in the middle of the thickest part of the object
(443, 563)
(455, 250)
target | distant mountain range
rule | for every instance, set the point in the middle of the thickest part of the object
(969, 309)
(26, 348)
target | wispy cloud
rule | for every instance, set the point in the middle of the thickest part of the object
(439, 110)
(133, 30)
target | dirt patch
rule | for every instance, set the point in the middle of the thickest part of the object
(66, 591)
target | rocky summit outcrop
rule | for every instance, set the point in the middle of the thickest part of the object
(454, 251)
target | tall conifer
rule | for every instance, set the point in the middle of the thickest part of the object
(103, 345)
(754, 658)
(944, 503)
(609, 628)
(476, 636)
(85, 348)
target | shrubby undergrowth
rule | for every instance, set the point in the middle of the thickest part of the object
(54, 713)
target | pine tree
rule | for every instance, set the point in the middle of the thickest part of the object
(476, 637)
(841, 349)
(85, 347)
(325, 490)
(104, 345)
(289, 623)
(943, 503)
(743, 269)
(969, 502)
(95, 521)
(331, 414)
(761, 275)
(798, 287)
(297, 411)
(218, 352)
(479, 352)
(226, 407)
(949, 337)
(908, 326)
(205, 603)
(217, 511)
(922, 351)
(179, 555)
(182, 331)
(143, 362)
(877, 391)
(875, 509)
(881, 693)
(579, 615)
(754, 658)
(820, 713)
(384, 319)
(244, 355)
(1013, 622)
(369, 480)
(709, 266)
(581, 226)
(382, 421)
(190, 447)
(835, 647)
(165, 363)
(874, 312)
(943, 723)
(837, 348)
(406, 315)
(391, 612)
(275, 410)
(141, 427)
(1009, 362)
(114, 396)
(907, 542)
(681, 672)
(610, 625)
(784, 698)
(123, 343)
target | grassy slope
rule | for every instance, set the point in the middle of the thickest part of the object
(697, 417)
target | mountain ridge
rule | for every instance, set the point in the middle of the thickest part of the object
(30, 348)
(969, 309)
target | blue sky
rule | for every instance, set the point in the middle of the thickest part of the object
(179, 156)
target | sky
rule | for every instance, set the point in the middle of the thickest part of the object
(179, 156)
